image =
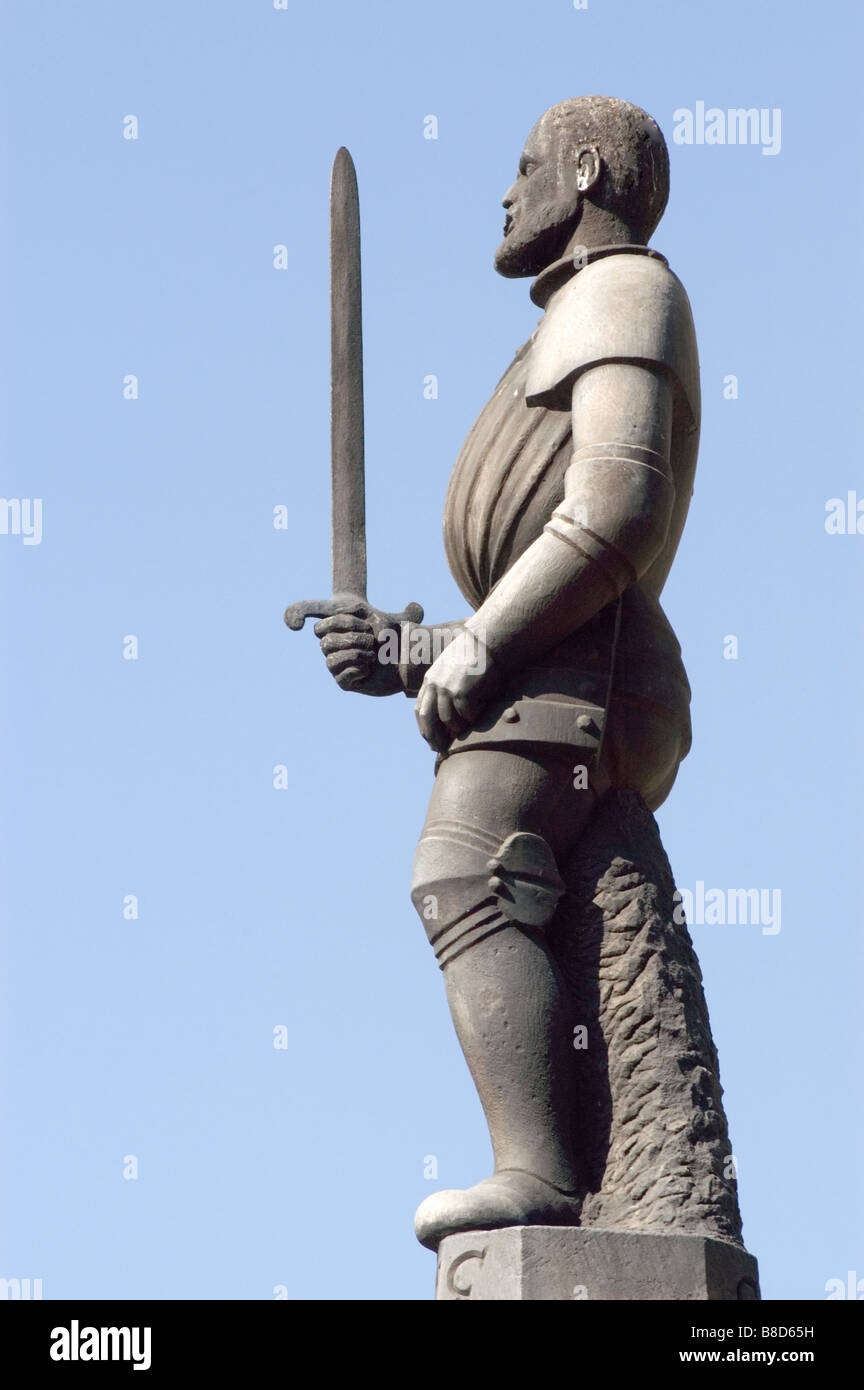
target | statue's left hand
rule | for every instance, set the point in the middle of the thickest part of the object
(456, 687)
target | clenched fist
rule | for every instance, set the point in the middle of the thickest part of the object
(350, 645)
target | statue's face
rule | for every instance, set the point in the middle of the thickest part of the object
(543, 206)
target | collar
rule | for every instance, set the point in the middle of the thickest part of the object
(556, 274)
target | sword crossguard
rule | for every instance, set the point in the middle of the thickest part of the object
(359, 607)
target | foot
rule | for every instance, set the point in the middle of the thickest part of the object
(508, 1198)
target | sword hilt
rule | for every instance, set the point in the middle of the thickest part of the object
(358, 607)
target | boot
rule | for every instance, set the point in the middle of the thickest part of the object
(512, 1015)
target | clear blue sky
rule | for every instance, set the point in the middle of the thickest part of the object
(262, 908)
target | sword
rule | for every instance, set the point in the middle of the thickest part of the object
(346, 417)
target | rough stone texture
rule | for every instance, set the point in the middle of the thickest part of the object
(551, 1263)
(650, 1131)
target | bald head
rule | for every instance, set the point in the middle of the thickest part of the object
(591, 153)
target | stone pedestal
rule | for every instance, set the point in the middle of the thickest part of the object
(555, 1263)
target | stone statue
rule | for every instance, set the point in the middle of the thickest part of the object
(559, 712)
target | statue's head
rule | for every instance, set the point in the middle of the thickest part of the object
(588, 153)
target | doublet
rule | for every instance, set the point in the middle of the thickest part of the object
(623, 305)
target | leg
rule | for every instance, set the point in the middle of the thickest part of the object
(486, 883)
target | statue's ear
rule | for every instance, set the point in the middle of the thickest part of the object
(588, 165)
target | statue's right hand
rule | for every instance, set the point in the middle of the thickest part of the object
(350, 647)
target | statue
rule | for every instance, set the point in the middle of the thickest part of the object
(558, 709)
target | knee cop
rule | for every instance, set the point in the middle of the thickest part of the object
(468, 884)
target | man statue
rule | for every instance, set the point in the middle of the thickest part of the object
(565, 684)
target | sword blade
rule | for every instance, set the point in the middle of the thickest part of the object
(346, 418)
(346, 382)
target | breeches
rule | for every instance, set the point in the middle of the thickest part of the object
(502, 823)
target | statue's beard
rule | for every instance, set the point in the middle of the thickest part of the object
(528, 250)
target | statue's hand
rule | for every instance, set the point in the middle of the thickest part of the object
(456, 687)
(350, 646)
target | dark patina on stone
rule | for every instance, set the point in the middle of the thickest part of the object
(559, 712)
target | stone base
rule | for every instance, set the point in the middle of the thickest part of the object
(567, 1263)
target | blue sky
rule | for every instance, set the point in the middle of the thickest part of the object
(259, 909)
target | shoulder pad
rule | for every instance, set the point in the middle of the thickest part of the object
(621, 308)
